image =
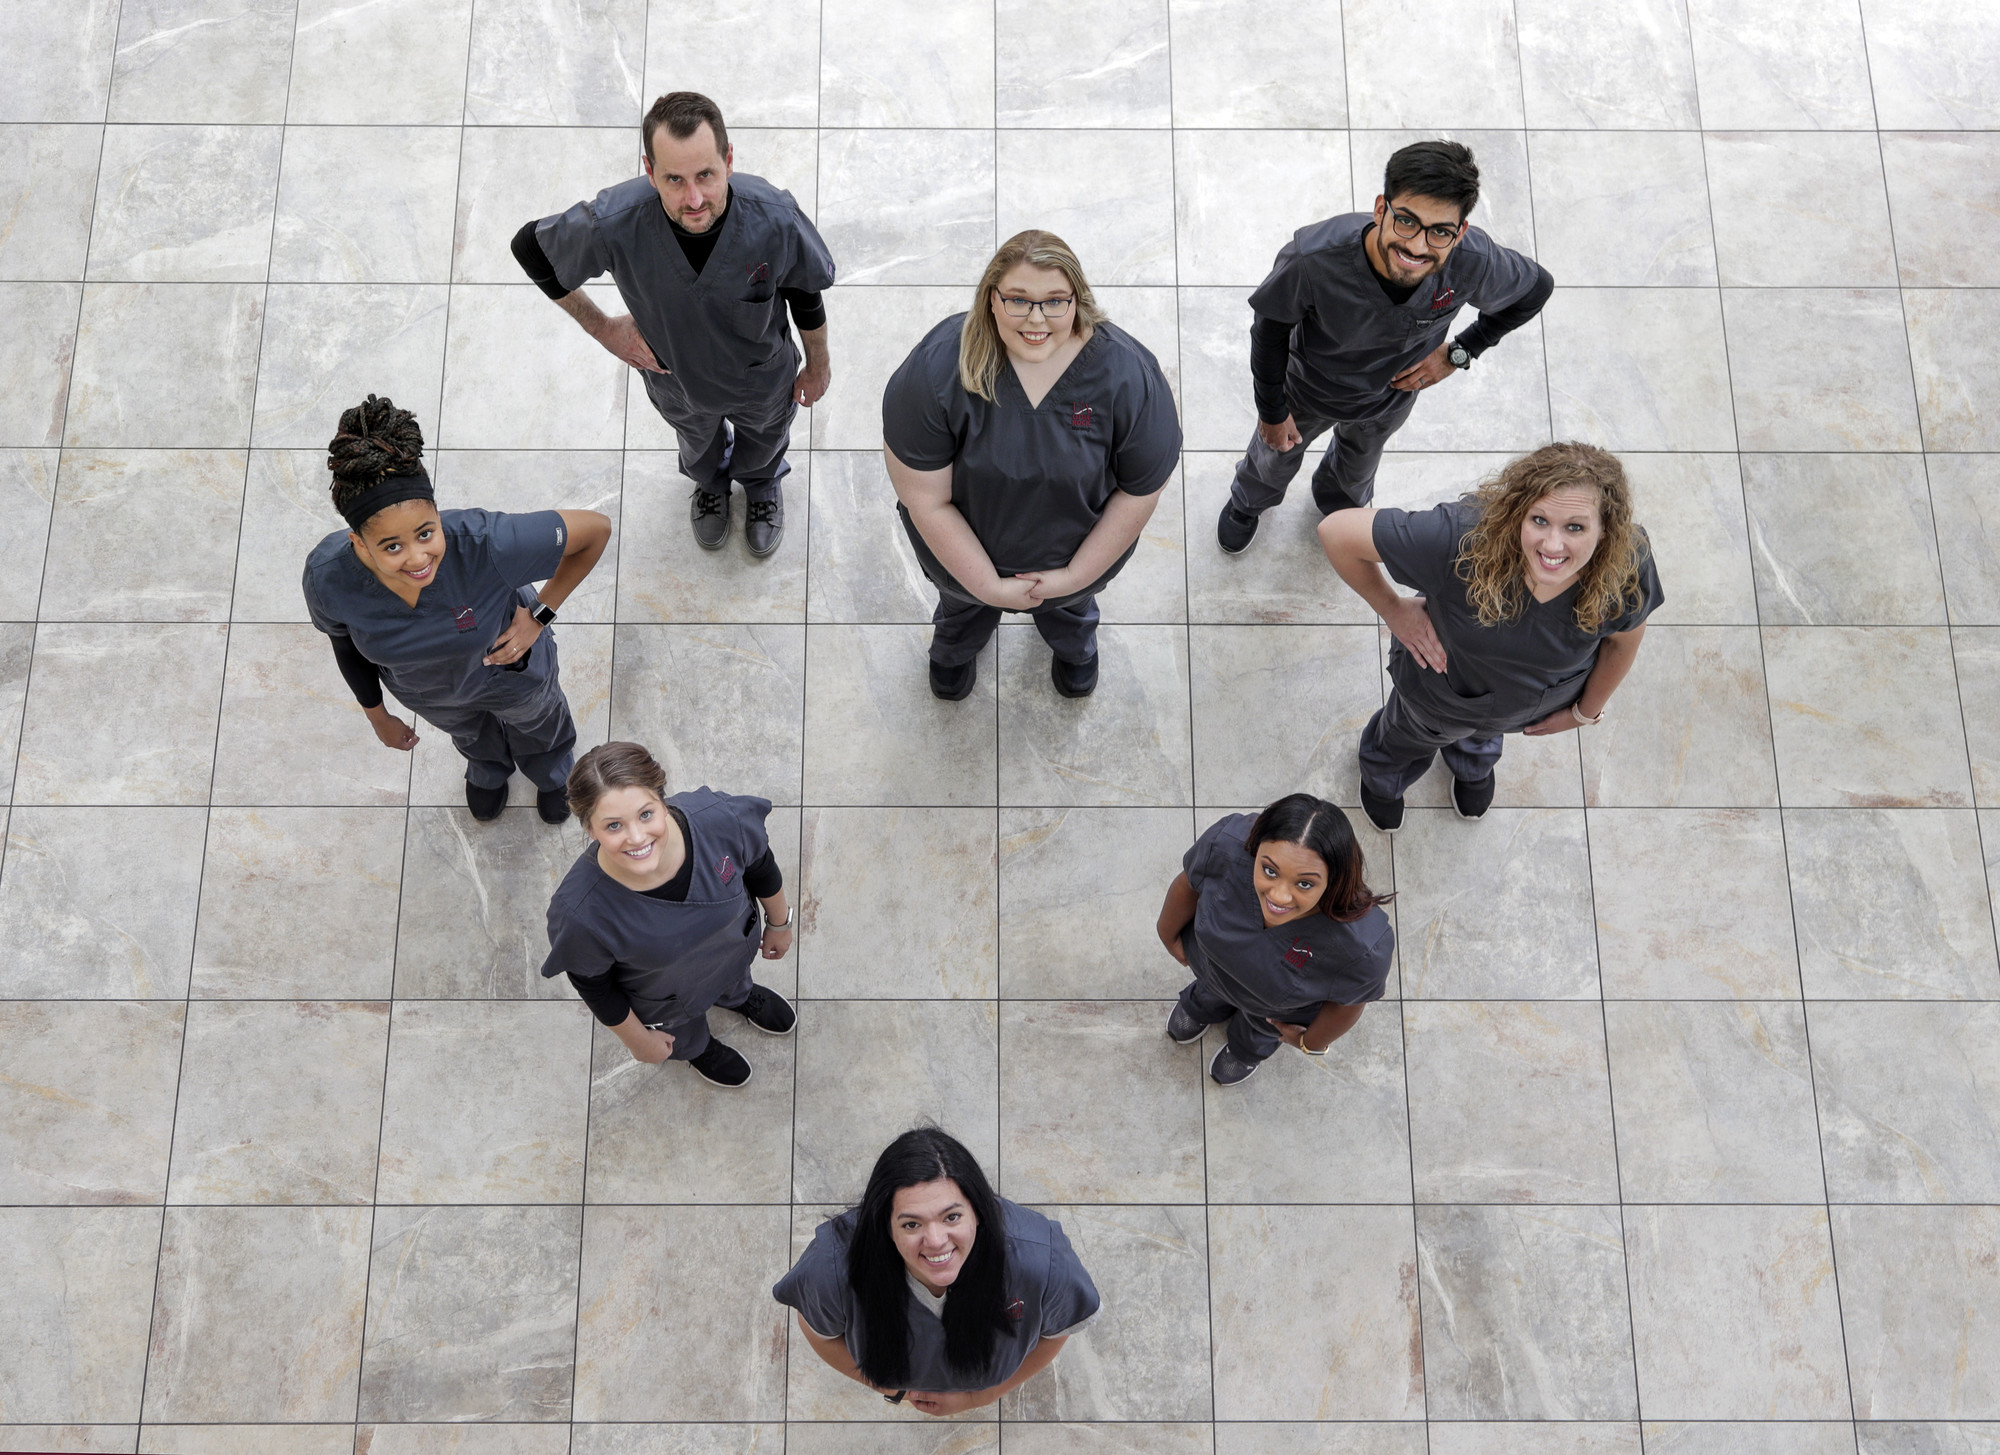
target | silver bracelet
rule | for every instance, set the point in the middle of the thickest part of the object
(1581, 720)
(771, 924)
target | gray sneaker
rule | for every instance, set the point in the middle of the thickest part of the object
(764, 526)
(708, 512)
(1228, 1068)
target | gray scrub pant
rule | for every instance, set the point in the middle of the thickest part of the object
(691, 1036)
(1346, 474)
(1251, 1037)
(960, 627)
(535, 735)
(746, 446)
(1398, 744)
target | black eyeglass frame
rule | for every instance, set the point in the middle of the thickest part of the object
(1052, 308)
(1452, 233)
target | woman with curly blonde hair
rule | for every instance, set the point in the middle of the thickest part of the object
(1533, 596)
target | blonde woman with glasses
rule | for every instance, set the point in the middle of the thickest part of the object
(1027, 439)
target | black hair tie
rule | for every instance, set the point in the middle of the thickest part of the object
(388, 491)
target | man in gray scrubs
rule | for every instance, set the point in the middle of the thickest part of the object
(1351, 324)
(708, 260)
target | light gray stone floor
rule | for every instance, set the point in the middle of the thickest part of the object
(1680, 1131)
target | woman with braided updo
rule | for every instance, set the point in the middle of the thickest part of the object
(440, 605)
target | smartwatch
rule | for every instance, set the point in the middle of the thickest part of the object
(1459, 355)
(542, 612)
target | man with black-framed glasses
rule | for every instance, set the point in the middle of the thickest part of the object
(1352, 324)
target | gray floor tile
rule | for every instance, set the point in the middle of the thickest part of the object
(1216, 408)
(1927, 64)
(160, 364)
(536, 63)
(1976, 657)
(1528, 1437)
(328, 346)
(1108, 194)
(666, 575)
(528, 480)
(1820, 369)
(27, 503)
(35, 361)
(1110, 1439)
(1693, 728)
(286, 512)
(47, 173)
(184, 204)
(1880, 568)
(1593, 187)
(746, 736)
(85, 1126)
(72, 47)
(245, 1439)
(508, 175)
(1505, 211)
(1960, 410)
(416, 58)
(1629, 68)
(280, 1101)
(1781, 67)
(1963, 489)
(1127, 743)
(520, 376)
(763, 56)
(365, 204)
(143, 535)
(1706, 1437)
(863, 567)
(1234, 199)
(911, 206)
(1500, 404)
(1820, 192)
(1639, 368)
(878, 735)
(1373, 1438)
(1912, 1437)
(1244, 678)
(1152, 590)
(1391, 83)
(77, 1281)
(203, 61)
(1278, 580)
(112, 1439)
(17, 643)
(719, 1439)
(906, 63)
(784, 156)
(463, 1439)
(1114, 74)
(1224, 75)
(1918, 1290)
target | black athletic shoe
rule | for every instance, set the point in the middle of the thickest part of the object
(708, 512)
(553, 805)
(1474, 798)
(1235, 528)
(1228, 1068)
(764, 526)
(721, 1065)
(1182, 1027)
(768, 1011)
(954, 684)
(1074, 679)
(1385, 813)
(485, 803)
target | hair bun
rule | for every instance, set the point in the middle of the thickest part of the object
(375, 440)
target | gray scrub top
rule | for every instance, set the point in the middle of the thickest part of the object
(1049, 1296)
(671, 958)
(1032, 481)
(1348, 339)
(429, 654)
(723, 333)
(1500, 678)
(1290, 969)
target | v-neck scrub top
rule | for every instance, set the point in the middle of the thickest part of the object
(1500, 678)
(1287, 970)
(430, 654)
(721, 333)
(1033, 480)
(1049, 1295)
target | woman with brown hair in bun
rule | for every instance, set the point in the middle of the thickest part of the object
(440, 606)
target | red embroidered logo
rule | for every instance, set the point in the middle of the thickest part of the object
(1299, 953)
(760, 274)
(1015, 1310)
(1079, 416)
(462, 619)
(1443, 300)
(727, 869)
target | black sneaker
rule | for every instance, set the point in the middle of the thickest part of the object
(1385, 813)
(708, 513)
(1228, 1068)
(485, 803)
(721, 1065)
(1474, 798)
(764, 526)
(1183, 1028)
(767, 1010)
(1235, 528)
(1074, 679)
(954, 684)
(553, 805)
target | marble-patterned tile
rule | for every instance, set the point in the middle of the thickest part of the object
(1511, 919)
(413, 53)
(870, 930)
(1851, 734)
(1782, 67)
(1236, 198)
(245, 1439)
(184, 204)
(1639, 368)
(35, 359)
(461, 1439)
(1692, 904)
(47, 173)
(485, 1101)
(508, 175)
(1125, 1438)
(287, 511)
(73, 753)
(27, 504)
(73, 1346)
(743, 1438)
(1693, 729)
(526, 480)
(1735, 1314)
(330, 345)
(1583, 66)
(72, 48)
(84, 1126)
(280, 1101)
(1353, 1104)
(1108, 194)
(1965, 501)
(1315, 1339)
(1151, 314)
(1976, 656)
(1922, 1438)
(761, 58)
(433, 1351)
(871, 1070)
(143, 535)
(1877, 567)
(1918, 1290)
(1391, 82)
(875, 734)
(1714, 1102)
(95, 1439)
(863, 567)
(1217, 412)
(1891, 905)
(908, 206)
(666, 576)
(784, 156)
(1505, 211)
(1096, 1105)
(291, 732)
(1959, 406)
(741, 732)
(1899, 1127)
(365, 204)
(1246, 589)
(648, 1272)
(1944, 187)
(519, 375)
(543, 63)
(1377, 1437)
(1535, 1437)
(17, 650)
(1692, 508)
(927, 63)
(203, 60)
(1246, 677)
(1145, 1356)
(1111, 73)
(1818, 195)
(164, 364)
(1509, 1102)
(1928, 64)
(1125, 744)
(1225, 73)
(1748, 1437)
(1820, 369)
(1596, 188)
(1500, 404)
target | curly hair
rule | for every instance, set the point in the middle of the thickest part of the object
(375, 440)
(980, 351)
(1490, 559)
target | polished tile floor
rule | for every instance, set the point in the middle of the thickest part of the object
(1681, 1129)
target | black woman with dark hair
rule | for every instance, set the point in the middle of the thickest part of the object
(936, 1289)
(1272, 914)
(440, 607)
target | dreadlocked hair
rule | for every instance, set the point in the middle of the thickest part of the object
(375, 440)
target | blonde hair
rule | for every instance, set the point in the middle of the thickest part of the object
(1490, 558)
(980, 351)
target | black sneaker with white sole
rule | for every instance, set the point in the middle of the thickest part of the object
(721, 1065)
(768, 1011)
(1228, 1068)
(1235, 528)
(1183, 1028)
(1474, 798)
(1385, 813)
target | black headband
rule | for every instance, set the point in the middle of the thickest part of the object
(388, 491)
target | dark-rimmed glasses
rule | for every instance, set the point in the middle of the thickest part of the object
(1022, 307)
(1408, 224)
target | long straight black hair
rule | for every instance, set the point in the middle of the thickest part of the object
(976, 1312)
(1313, 823)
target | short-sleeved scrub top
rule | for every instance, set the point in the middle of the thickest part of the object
(430, 654)
(1033, 480)
(1049, 1296)
(1498, 678)
(721, 333)
(1286, 971)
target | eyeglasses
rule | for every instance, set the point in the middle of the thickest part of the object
(1444, 234)
(1022, 307)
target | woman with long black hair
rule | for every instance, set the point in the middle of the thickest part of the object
(935, 1289)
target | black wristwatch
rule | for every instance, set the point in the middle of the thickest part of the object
(1459, 355)
(542, 612)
